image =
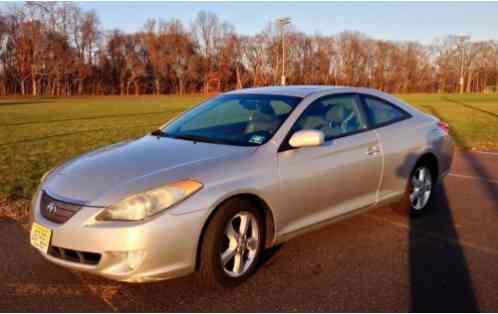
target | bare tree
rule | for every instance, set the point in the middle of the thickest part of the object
(53, 48)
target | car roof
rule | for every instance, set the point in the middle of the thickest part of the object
(304, 91)
(291, 90)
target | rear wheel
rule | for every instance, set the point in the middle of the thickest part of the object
(232, 244)
(419, 190)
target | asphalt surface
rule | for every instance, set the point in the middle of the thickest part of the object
(379, 261)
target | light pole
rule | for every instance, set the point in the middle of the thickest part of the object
(282, 22)
(461, 39)
(494, 46)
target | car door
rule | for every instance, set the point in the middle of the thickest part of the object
(398, 151)
(338, 177)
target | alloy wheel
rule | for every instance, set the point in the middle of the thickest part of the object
(240, 244)
(421, 182)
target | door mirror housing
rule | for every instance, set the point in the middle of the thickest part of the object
(307, 138)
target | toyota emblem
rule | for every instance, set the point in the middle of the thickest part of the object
(52, 208)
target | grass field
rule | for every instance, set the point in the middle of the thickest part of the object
(38, 133)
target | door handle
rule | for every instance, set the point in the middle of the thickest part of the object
(373, 150)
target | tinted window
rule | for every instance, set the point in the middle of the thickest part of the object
(335, 116)
(234, 119)
(380, 112)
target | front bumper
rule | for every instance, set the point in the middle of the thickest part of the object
(160, 248)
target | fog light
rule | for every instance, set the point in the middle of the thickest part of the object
(130, 259)
(135, 259)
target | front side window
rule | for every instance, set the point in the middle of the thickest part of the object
(241, 119)
(380, 112)
(335, 116)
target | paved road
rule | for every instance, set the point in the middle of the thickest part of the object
(379, 261)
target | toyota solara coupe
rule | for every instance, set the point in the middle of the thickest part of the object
(239, 173)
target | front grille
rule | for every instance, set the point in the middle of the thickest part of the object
(55, 210)
(87, 258)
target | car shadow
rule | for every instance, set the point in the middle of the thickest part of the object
(439, 274)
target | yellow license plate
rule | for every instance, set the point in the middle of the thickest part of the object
(40, 237)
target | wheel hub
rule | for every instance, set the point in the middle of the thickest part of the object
(242, 232)
(242, 243)
(421, 182)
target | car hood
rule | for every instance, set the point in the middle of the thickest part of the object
(86, 179)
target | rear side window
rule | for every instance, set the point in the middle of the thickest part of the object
(281, 107)
(380, 112)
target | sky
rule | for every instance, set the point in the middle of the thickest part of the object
(422, 21)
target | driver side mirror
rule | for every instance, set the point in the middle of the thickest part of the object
(307, 138)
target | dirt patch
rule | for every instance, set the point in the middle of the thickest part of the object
(17, 210)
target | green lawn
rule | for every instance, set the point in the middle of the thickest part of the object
(39, 133)
(473, 118)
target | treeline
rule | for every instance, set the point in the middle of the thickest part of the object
(57, 49)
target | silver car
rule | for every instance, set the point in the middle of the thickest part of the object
(241, 172)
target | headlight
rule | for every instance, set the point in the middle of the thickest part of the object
(143, 205)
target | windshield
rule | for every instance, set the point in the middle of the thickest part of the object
(240, 119)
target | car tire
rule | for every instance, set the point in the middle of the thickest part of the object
(218, 268)
(419, 190)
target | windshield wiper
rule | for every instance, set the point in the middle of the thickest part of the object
(189, 137)
(158, 133)
(197, 138)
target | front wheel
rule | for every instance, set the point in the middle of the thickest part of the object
(232, 244)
